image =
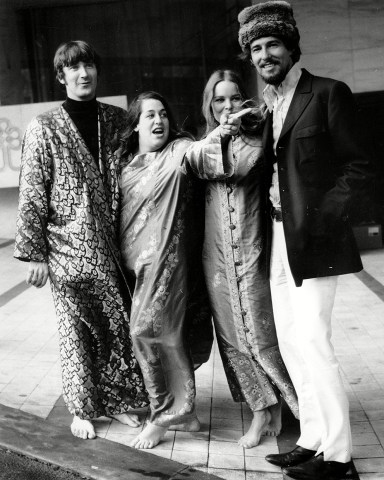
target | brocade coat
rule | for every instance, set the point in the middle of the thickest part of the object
(68, 216)
(234, 259)
(161, 211)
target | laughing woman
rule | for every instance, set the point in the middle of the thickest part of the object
(158, 218)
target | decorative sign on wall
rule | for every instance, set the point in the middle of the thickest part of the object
(13, 122)
(10, 143)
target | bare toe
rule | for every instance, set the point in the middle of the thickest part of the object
(273, 428)
(82, 428)
(130, 419)
(252, 438)
(191, 426)
(149, 437)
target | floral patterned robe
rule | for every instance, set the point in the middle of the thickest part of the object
(235, 268)
(159, 224)
(68, 217)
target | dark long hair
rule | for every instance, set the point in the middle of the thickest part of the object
(251, 124)
(292, 44)
(129, 139)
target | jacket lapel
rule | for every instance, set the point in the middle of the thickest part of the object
(300, 100)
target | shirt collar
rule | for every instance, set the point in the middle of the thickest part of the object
(289, 83)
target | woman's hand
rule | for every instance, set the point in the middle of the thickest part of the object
(229, 125)
(37, 274)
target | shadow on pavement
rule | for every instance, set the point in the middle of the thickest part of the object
(99, 459)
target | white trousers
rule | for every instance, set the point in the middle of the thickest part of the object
(303, 325)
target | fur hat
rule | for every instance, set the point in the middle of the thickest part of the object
(267, 19)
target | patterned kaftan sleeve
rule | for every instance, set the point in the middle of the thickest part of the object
(31, 241)
(210, 158)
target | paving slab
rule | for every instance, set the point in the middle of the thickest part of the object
(97, 459)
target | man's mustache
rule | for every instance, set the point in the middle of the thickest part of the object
(269, 60)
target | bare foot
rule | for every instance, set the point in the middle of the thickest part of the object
(82, 428)
(192, 425)
(130, 419)
(273, 428)
(149, 437)
(260, 420)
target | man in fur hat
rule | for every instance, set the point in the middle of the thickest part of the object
(314, 168)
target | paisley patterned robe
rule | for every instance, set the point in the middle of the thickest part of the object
(235, 267)
(68, 217)
(158, 242)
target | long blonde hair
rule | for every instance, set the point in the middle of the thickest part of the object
(252, 123)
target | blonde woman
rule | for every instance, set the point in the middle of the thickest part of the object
(234, 260)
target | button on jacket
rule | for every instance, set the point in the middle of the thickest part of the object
(321, 166)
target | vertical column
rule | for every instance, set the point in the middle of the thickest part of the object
(11, 80)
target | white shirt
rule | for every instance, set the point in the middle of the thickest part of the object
(278, 99)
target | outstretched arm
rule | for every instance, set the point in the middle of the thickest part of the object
(211, 158)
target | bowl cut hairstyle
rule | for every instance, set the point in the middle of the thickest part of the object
(73, 52)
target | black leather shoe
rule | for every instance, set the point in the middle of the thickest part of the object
(294, 457)
(317, 469)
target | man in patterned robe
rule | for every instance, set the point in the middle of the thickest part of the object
(67, 231)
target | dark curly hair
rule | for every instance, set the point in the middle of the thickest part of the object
(289, 43)
(129, 139)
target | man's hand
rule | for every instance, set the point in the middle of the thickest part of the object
(229, 125)
(37, 274)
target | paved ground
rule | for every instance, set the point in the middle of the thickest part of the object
(30, 377)
(17, 467)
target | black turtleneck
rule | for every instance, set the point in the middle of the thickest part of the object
(84, 115)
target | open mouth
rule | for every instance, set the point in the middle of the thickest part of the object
(158, 131)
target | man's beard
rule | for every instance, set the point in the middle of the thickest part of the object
(277, 78)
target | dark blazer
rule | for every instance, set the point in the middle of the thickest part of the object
(321, 166)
